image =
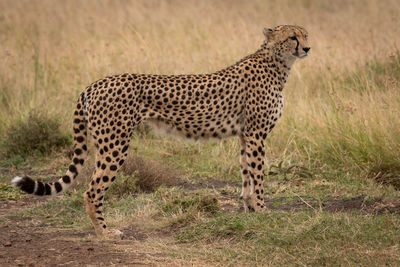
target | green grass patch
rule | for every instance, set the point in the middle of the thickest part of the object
(312, 238)
(69, 210)
(8, 192)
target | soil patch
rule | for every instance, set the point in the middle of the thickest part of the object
(24, 243)
(46, 246)
(8, 207)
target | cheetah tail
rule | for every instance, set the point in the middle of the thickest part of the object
(39, 188)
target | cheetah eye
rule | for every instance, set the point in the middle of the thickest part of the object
(293, 38)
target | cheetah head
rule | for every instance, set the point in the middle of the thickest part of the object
(288, 42)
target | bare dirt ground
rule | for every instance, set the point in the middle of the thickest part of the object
(30, 242)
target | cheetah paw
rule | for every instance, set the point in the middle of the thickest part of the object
(251, 204)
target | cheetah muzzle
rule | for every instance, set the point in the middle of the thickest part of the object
(245, 100)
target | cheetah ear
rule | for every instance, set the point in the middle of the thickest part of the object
(268, 33)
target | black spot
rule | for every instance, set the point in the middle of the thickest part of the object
(58, 187)
(78, 151)
(113, 167)
(66, 179)
(80, 139)
(47, 189)
(72, 168)
(105, 179)
(40, 189)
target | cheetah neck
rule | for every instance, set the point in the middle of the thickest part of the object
(269, 60)
(272, 61)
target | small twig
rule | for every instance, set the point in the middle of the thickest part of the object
(305, 202)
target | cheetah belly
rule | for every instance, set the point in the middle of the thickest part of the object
(199, 127)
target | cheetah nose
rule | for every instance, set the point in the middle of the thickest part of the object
(306, 49)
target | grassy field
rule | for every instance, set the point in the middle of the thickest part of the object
(333, 160)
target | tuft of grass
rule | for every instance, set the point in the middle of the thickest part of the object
(180, 201)
(38, 132)
(122, 187)
(149, 174)
(183, 207)
(386, 174)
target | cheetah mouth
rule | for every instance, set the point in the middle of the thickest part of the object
(300, 56)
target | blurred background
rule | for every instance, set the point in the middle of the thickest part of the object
(342, 102)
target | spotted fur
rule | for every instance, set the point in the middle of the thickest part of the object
(245, 100)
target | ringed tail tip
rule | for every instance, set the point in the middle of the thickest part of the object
(16, 181)
(26, 184)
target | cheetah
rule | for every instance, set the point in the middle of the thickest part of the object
(245, 100)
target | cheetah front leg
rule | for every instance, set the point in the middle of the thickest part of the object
(247, 185)
(253, 193)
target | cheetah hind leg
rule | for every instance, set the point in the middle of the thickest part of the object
(107, 166)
